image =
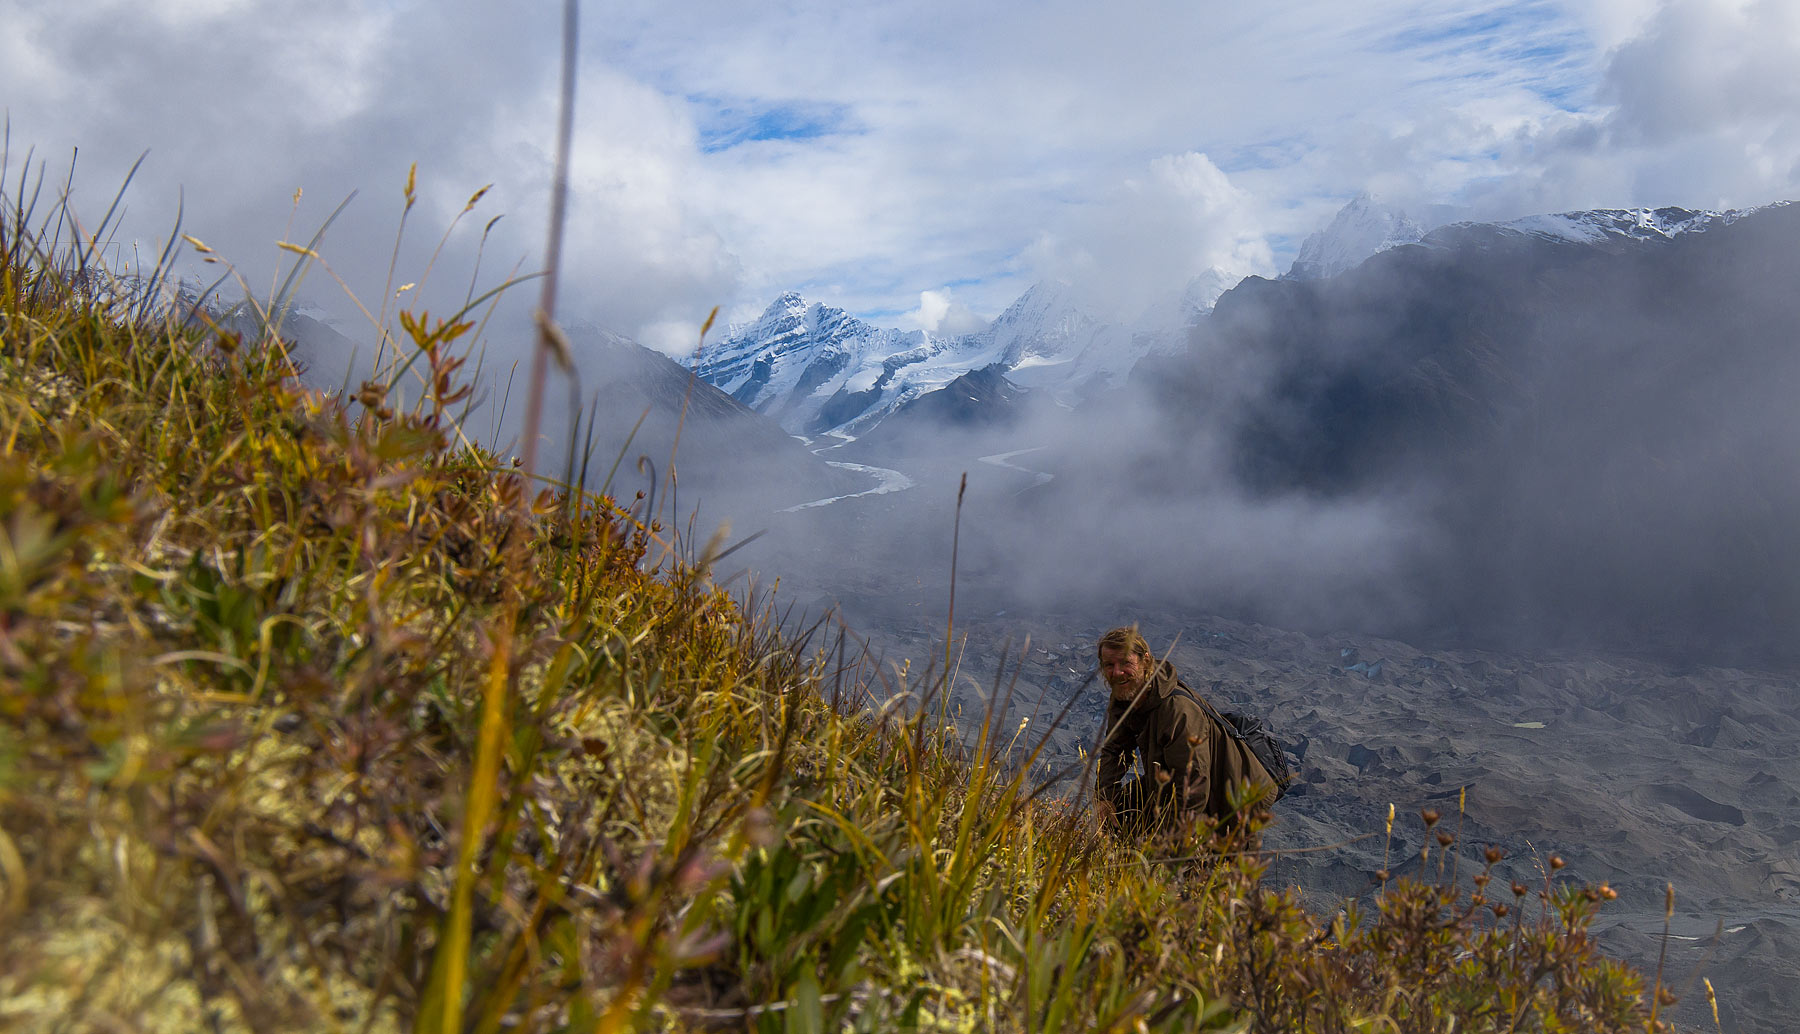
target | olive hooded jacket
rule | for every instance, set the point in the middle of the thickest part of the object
(1169, 731)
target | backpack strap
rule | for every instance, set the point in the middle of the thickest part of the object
(1223, 723)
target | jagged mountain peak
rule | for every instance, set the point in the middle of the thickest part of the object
(814, 367)
(1047, 321)
(1363, 227)
(787, 303)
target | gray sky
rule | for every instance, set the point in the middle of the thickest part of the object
(915, 161)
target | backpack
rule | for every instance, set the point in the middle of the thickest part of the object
(1249, 730)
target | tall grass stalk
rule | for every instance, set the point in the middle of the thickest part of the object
(549, 339)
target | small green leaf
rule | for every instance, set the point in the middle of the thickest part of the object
(808, 1014)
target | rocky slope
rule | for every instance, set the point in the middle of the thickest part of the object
(1637, 773)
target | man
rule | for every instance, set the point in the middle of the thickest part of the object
(1192, 766)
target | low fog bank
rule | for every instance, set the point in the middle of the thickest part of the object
(1490, 439)
(1583, 445)
(1493, 440)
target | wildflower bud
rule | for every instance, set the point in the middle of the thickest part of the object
(697, 872)
(1500, 910)
(1445, 839)
(1518, 890)
(1430, 816)
(1162, 775)
(1477, 900)
(760, 827)
(1666, 996)
(1481, 879)
(1556, 861)
(1493, 855)
(518, 462)
(1382, 875)
(1608, 893)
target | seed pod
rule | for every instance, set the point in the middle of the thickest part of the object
(1493, 855)
(1430, 816)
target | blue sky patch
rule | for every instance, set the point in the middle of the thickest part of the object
(727, 124)
(1535, 45)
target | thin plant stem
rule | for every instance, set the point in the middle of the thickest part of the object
(559, 197)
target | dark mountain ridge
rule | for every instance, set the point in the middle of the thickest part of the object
(1601, 433)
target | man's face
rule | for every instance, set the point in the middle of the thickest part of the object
(1123, 670)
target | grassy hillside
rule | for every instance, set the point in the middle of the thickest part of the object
(313, 716)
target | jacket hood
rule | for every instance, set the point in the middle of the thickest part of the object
(1163, 679)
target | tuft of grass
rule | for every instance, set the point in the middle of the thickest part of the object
(314, 716)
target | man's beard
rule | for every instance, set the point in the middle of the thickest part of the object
(1125, 691)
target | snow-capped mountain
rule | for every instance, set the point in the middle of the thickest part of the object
(1367, 226)
(1047, 325)
(818, 369)
(814, 368)
(1362, 228)
(1621, 224)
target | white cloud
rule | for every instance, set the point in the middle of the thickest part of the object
(866, 154)
(940, 314)
(1703, 66)
(1155, 232)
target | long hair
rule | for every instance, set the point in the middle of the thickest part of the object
(1124, 638)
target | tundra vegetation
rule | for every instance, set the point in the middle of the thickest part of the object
(317, 715)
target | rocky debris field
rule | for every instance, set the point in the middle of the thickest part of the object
(1637, 773)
